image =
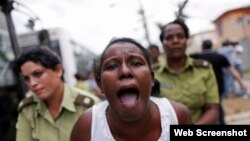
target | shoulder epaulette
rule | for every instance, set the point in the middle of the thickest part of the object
(25, 102)
(84, 100)
(201, 63)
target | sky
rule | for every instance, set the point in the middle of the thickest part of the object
(95, 22)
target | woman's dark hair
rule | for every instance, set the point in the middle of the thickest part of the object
(40, 55)
(179, 22)
(121, 40)
(156, 88)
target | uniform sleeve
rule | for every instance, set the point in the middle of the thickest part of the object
(212, 95)
(23, 127)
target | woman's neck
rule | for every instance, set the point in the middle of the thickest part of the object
(55, 101)
(177, 64)
(143, 127)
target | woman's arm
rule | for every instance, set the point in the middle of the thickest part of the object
(210, 110)
(23, 128)
(210, 114)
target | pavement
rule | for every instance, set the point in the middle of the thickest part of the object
(242, 118)
(238, 119)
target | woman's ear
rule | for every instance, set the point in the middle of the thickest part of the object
(98, 82)
(59, 70)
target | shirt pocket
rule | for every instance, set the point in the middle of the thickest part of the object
(194, 94)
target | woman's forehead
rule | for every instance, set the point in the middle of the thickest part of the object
(173, 27)
(121, 48)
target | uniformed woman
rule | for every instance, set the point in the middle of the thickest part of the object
(51, 107)
(191, 82)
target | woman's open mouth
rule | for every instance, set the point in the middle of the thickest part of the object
(128, 96)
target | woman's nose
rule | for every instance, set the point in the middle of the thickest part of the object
(125, 71)
(32, 82)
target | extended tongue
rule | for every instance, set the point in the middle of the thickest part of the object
(128, 99)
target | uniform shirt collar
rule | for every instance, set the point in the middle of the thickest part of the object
(68, 99)
(165, 67)
(67, 102)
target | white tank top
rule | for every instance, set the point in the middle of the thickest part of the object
(100, 130)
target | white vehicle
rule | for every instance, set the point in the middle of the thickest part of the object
(75, 57)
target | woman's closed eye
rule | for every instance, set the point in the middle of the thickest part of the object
(136, 63)
(26, 78)
(37, 74)
(112, 67)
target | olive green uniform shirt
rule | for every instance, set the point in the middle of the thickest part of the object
(195, 85)
(35, 123)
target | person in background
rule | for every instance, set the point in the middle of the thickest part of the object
(219, 62)
(238, 61)
(126, 78)
(228, 51)
(238, 49)
(154, 53)
(51, 107)
(186, 80)
(94, 88)
(81, 83)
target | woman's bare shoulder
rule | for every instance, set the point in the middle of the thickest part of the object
(182, 112)
(82, 128)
